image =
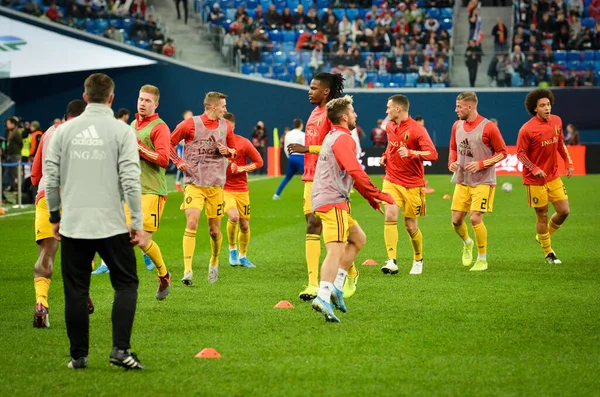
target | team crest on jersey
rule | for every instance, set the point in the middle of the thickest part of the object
(320, 121)
(406, 135)
(556, 130)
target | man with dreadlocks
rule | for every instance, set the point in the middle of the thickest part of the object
(323, 88)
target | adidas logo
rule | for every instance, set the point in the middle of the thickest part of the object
(88, 137)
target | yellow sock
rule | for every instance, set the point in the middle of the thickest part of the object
(189, 245)
(545, 243)
(462, 231)
(480, 238)
(215, 249)
(416, 239)
(232, 232)
(42, 285)
(244, 238)
(390, 235)
(313, 254)
(352, 272)
(552, 227)
(153, 252)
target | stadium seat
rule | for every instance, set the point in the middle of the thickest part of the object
(411, 79)
(560, 56)
(446, 23)
(377, 3)
(275, 36)
(284, 77)
(322, 4)
(399, 79)
(438, 85)
(307, 4)
(339, 13)
(289, 36)
(288, 47)
(597, 63)
(447, 13)
(143, 44)
(266, 57)
(365, 54)
(379, 85)
(588, 55)
(247, 68)
(433, 13)
(269, 76)
(574, 65)
(90, 25)
(362, 13)
(230, 13)
(588, 65)
(371, 77)
(116, 22)
(516, 80)
(598, 55)
(352, 13)
(423, 85)
(573, 56)
(278, 68)
(588, 22)
(251, 12)
(251, 4)
(384, 78)
(265, 5)
(101, 24)
(239, 3)
(262, 68)
(293, 5)
(305, 56)
(293, 57)
(279, 57)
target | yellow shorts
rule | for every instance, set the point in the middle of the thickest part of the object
(478, 198)
(152, 209)
(43, 227)
(239, 200)
(540, 195)
(336, 224)
(198, 196)
(411, 199)
(307, 203)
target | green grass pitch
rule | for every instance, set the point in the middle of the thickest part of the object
(521, 328)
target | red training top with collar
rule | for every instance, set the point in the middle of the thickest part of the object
(186, 129)
(37, 168)
(491, 137)
(238, 181)
(408, 171)
(160, 137)
(538, 143)
(344, 150)
(317, 127)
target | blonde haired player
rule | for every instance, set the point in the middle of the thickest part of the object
(209, 142)
(237, 197)
(476, 145)
(337, 171)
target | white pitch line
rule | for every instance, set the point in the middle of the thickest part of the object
(257, 179)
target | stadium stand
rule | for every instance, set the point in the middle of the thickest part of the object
(125, 21)
(372, 43)
(555, 44)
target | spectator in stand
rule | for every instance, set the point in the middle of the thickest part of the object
(557, 79)
(440, 73)
(311, 20)
(379, 136)
(169, 49)
(345, 27)
(500, 33)
(432, 25)
(259, 141)
(370, 63)
(53, 13)
(558, 6)
(425, 73)
(299, 18)
(14, 144)
(185, 10)
(561, 39)
(254, 52)
(216, 15)
(287, 19)
(272, 18)
(325, 17)
(517, 58)
(541, 76)
(138, 8)
(123, 115)
(594, 9)
(412, 61)
(472, 60)
(527, 70)
(572, 137)
(572, 79)
(36, 135)
(331, 28)
(588, 79)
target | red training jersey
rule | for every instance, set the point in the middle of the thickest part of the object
(186, 129)
(160, 137)
(538, 143)
(317, 127)
(491, 137)
(408, 171)
(238, 181)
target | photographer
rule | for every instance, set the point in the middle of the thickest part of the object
(259, 141)
(14, 144)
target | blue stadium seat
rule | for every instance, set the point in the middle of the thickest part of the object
(278, 68)
(321, 12)
(560, 56)
(588, 55)
(411, 79)
(516, 80)
(262, 68)
(251, 12)
(269, 76)
(423, 85)
(124, 33)
(289, 36)
(379, 85)
(339, 13)
(275, 36)
(293, 4)
(293, 57)
(143, 44)
(230, 13)
(288, 46)
(399, 79)
(588, 65)
(352, 13)
(126, 23)
(433, 12)
(588, 22)
(305, 56)
(446, 23)
(291, 67)
(371, 77)
(447, 13)
(597, 64)
(377, 3)
(116, 22)
(90, 25)
(322, 3)
(438, 85)
(573, 56)
(574, 65)
(251, 5)
(598, 55)
(279, 57)
(247, 68)
(370, 24)
(265, 5)
(226, 24)
(266, 57)
(239, 3)
(284, 77)
(385, 79)
(362, 13)
(102, 24)
(307, 4)
(365, 54)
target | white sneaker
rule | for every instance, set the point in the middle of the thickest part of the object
(213, 274)
(187, 279)
(417, 267)
(390, 267)
(276, 197)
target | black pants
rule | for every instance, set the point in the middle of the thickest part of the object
(76, 263)
(472, 75)
(262, 150)
(185, 9)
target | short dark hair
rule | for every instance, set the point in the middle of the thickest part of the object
(419, 118)
(338, 107)
(75, 108)
(98, 88)
(401, 100)
(297, 123)
(534, 96)
(13, 120)
(229, 117)
(122, 112)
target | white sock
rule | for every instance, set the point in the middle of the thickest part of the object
(242, 256)
(232, 249)
(103, 264)
(468, 241)
(481, 257)
(325, 291)
(339, 280)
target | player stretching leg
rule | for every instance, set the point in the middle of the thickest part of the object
(204, 165)
(476, 145)
(540, 141)
(237, 197)
(336, 172)
(408, 146)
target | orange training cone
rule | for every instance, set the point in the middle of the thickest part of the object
(369, 262)
(446, 197)
(208, 352)
(283, 305)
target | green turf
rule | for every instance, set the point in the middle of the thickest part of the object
(521, 328)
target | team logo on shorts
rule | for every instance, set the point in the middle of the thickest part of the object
(188, 199)
(535, 200)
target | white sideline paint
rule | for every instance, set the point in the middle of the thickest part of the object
(257, 179)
